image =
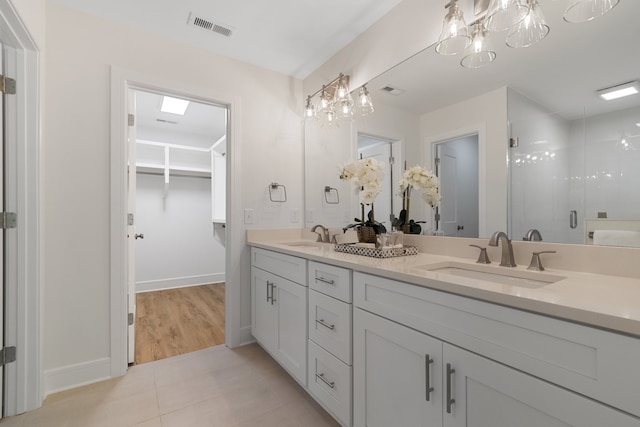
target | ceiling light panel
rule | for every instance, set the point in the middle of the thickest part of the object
(620, 91)
(174, 105)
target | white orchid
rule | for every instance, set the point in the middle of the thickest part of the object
(421, 179)
(366, 176)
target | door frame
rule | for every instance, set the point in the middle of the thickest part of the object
(480, 129)
(23, 390)
(121, 81)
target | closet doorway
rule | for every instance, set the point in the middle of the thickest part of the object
(177, 197)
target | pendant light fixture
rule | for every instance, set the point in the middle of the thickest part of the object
(586, 10)
(309, 109)
(504, 14)
(480, 52)
(364, 105)
(531, 29)
(454, 37)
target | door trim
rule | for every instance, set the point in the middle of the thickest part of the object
(121, 80)
(481, 130)
(23, 389)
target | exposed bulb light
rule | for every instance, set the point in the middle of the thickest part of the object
(454, 37)
(174, 105)
(309, 110)
(480, 52)
(620, 91)
(587, 10)
(364, 105)
(531, 29)
(504, 14)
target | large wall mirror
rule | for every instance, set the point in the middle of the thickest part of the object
(573, 167)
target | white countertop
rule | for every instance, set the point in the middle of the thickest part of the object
(608, 302)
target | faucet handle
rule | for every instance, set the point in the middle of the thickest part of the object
(535, 263)
(483, 258)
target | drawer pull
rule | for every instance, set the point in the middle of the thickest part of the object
(427, 375)
(327, 281)
(450, 400)
(322, 378)
(325, 324)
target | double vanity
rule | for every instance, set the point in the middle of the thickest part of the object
(432, 339)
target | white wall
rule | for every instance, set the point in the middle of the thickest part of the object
(178, 248)
(80, 53)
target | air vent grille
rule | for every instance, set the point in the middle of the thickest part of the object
(210, 25)
(392, 90)
(171, 122)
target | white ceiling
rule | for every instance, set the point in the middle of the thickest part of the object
(293, 37)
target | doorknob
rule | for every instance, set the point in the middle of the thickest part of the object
(139, 236)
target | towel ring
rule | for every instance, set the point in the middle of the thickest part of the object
(273, 188)
(327, 191)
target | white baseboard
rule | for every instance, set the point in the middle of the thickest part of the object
(245, 335)
(178, 282)
(72, 376)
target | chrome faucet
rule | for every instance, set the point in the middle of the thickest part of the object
(533, 235)
(324, 237)
(507, 250)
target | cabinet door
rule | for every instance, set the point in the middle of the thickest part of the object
(488, 394)
(291, 303)
(263, 326)
(394, 375)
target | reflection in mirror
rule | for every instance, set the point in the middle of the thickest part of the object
(380, 149)
(591, 144)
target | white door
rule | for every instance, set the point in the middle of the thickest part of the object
(2, 275)
(397, 378)
(131, 229)
(380, 151)
(457, 169)
(291, 302)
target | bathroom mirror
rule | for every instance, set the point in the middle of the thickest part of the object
(429, 98)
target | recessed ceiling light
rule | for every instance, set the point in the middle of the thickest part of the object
(619, 91)
(174, 105)
(638, 124)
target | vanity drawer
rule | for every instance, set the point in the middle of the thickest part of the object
(329, 381)
(330, 280)
(330, 325)
(287, 266)
(593, 362)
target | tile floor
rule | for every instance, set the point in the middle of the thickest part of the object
(217, 386)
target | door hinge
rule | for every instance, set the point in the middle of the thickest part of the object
(7, 355)
(7, 85)
(8, 220)
(514, 142)
(391, 160)
(437, 161)
(131, 119)
(437, 217)
(130, 319)
(130, 219)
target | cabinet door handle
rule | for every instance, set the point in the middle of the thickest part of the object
(427, 366)
(325, 324)
(327, 281)
(450, 400)
(323, 379)
(269, 284)
(273, 291)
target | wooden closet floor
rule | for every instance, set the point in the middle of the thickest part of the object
(176, 321)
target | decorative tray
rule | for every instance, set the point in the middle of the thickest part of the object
(376, 252)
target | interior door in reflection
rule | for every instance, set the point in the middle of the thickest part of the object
(457, 169)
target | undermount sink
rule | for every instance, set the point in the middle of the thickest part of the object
(501, 275)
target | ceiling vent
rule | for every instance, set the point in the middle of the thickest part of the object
(392, 90)
(171, 122)
(210, 25)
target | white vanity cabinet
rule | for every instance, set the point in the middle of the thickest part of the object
(427, 358)
(279, 309)
(330, 339)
